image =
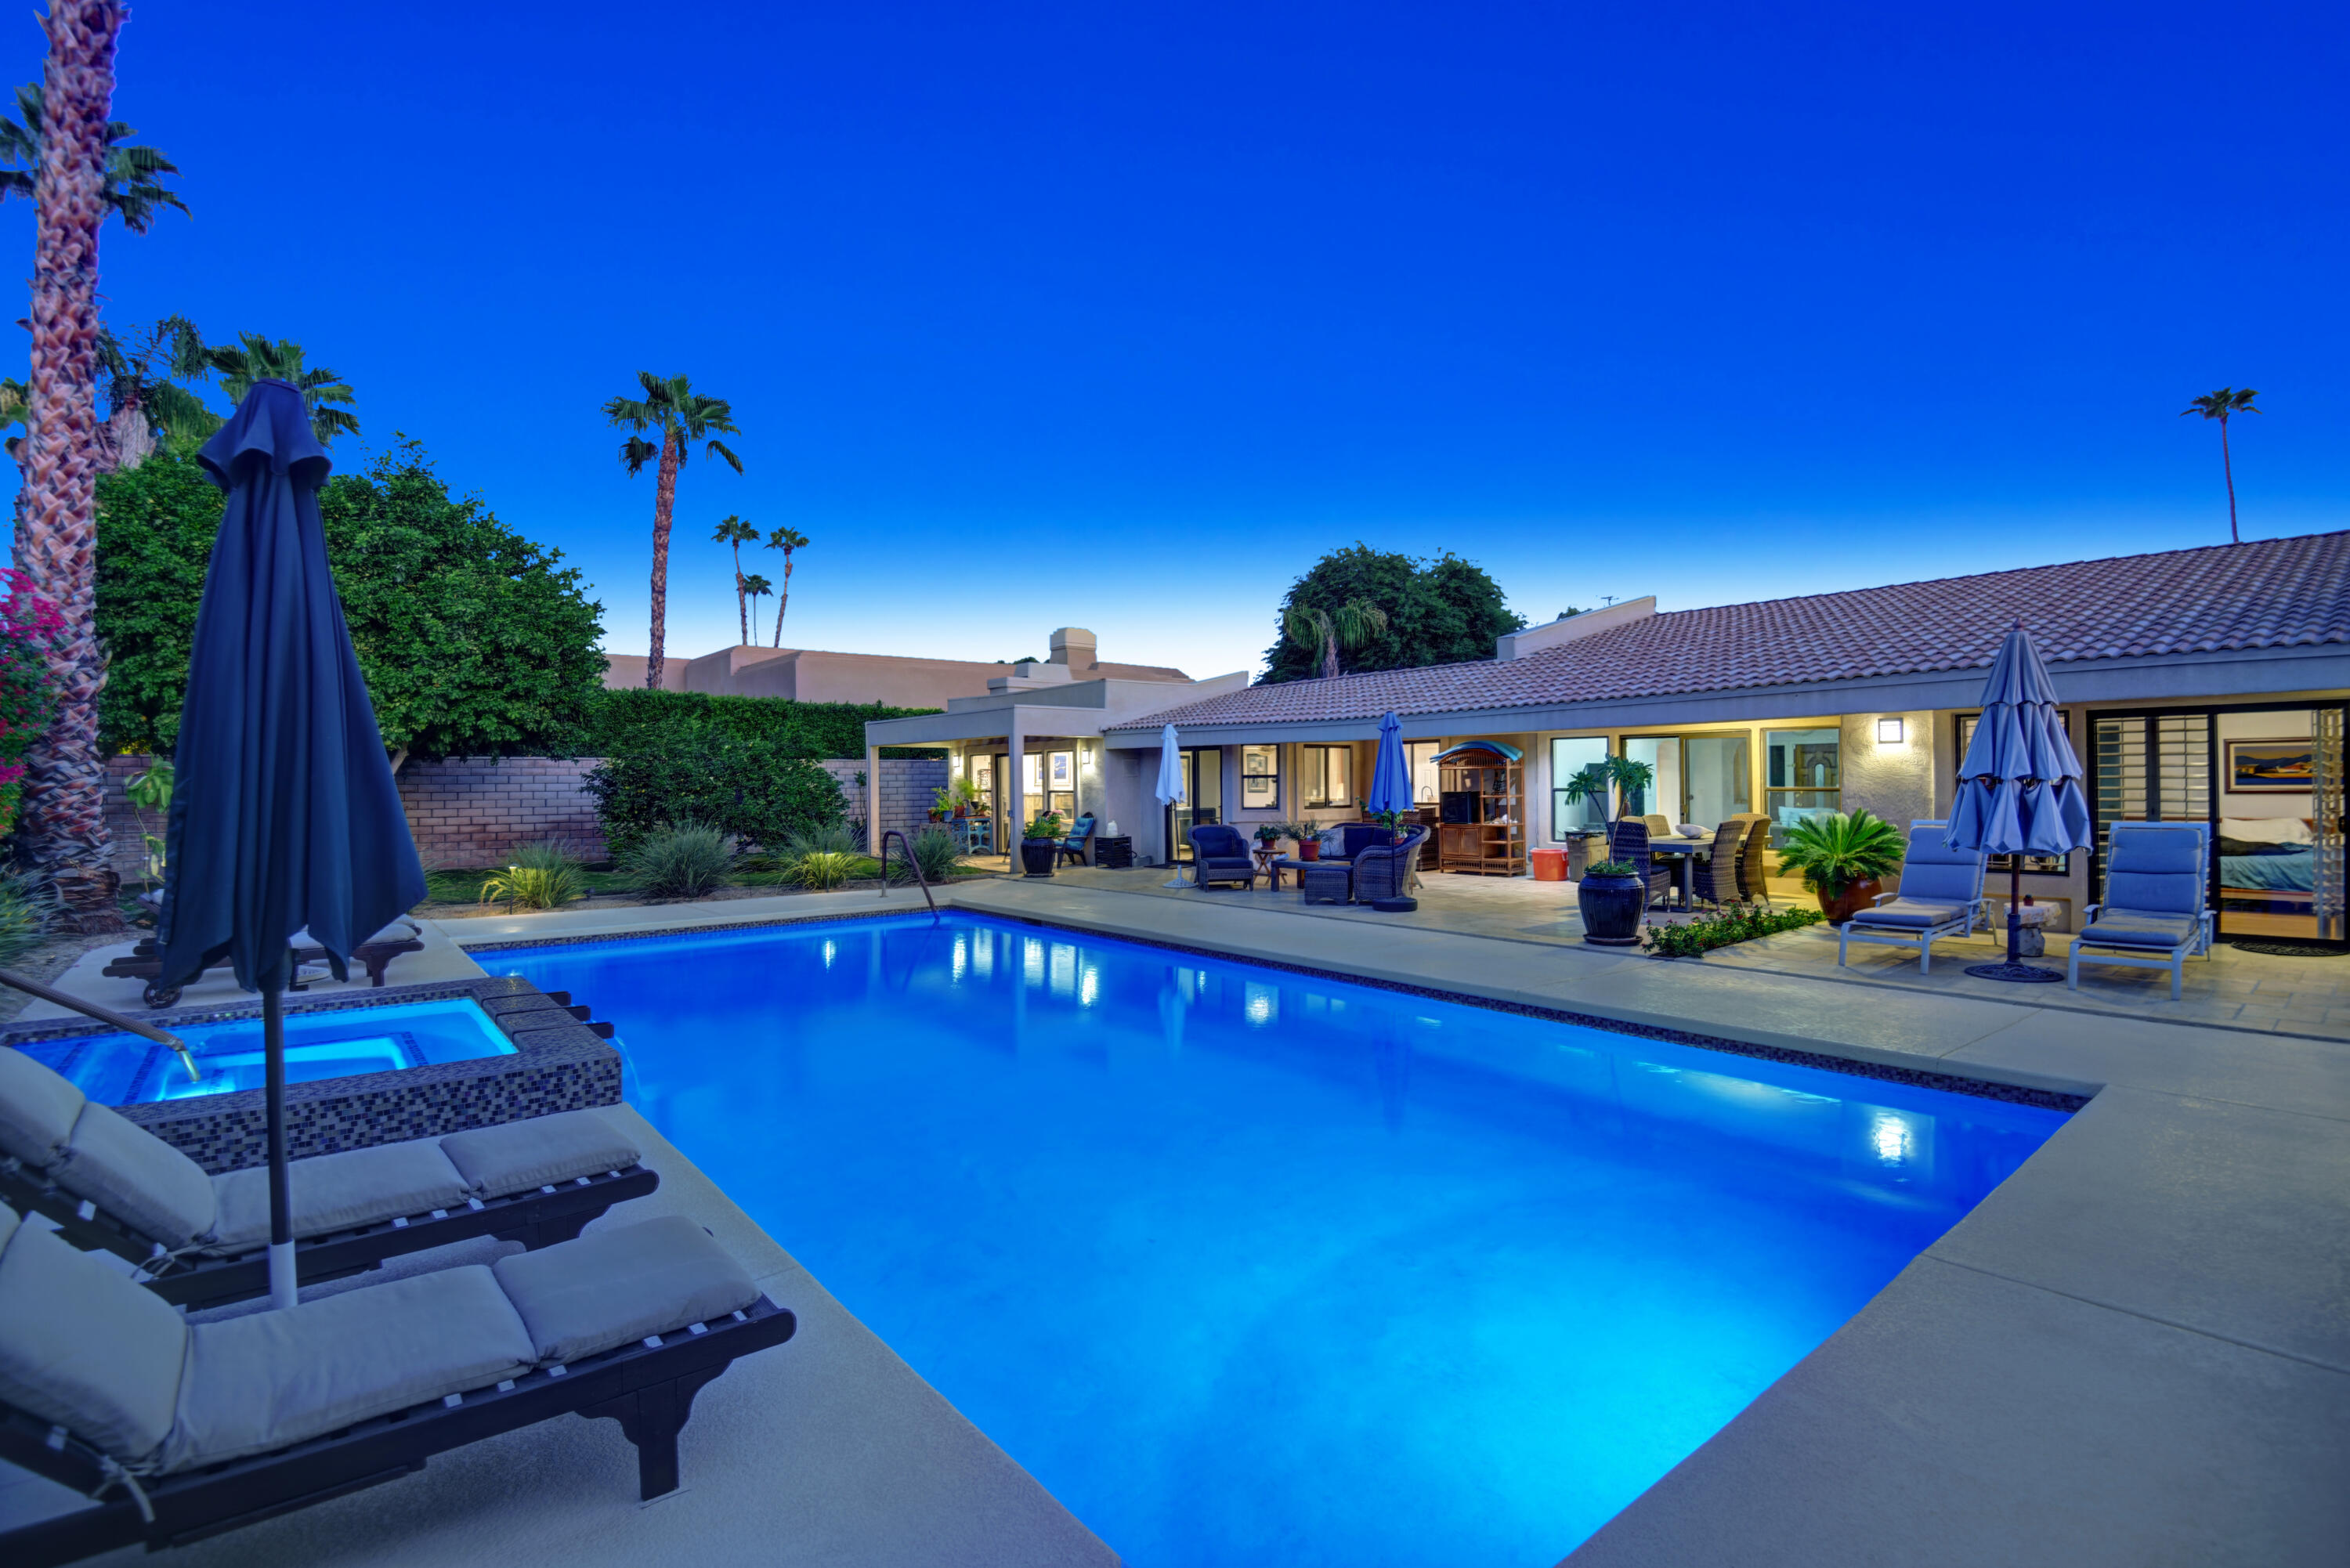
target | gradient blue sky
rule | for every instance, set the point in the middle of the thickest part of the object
(1035, 315)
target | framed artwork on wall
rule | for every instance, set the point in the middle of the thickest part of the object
(2272, 767)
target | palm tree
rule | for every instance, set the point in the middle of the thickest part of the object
(132, 184)
(680, 415)
(1353, 624)
(733, 531)
(2218, 406)
(79, 176)
(254, 357)
(143, 391)
(787, 540)
(756, 588)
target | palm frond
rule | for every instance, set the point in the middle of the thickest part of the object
(720, 448)
(635, 451)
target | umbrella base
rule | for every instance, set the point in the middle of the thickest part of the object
(2024, 973)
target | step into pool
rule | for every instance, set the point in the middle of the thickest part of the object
(117, 1069)
(1250, 1266)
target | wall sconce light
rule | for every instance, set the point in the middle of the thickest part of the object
(1888, 731)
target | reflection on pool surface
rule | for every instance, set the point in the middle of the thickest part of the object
(1248, 1266)
(123, 1069)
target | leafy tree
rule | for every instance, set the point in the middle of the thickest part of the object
(1350, 626)
(27, 624)
(787, 540)
(1441, 611)
(693, 767)
(146, 400)
(254, 357)
(474, 641)
(673, 410)
(732, 532)
(2218, 406)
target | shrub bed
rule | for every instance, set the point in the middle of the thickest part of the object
(1707, 933)
(617, 719)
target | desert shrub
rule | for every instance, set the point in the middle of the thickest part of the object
(685, 770)
(678, 860)
(822, 857)
(24, 911)
(1691, 938)
(540, 877)
(937, 851)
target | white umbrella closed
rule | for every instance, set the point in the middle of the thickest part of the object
(1171, 788)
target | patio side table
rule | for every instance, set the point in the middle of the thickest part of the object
(1117, 853)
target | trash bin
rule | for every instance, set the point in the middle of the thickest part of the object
(1550, 864)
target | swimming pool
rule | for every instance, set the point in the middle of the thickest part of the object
(1248, 1266)
(123, 1069)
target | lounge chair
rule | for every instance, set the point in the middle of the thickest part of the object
(1627, 840)
(1219, 854)
(199, 1239)
(1941, 896)
(1384, 870)
(374, 955)
(2157, 912)
(1074, 846)
(179, 1430)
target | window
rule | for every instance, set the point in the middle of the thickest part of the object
(1802, 777)
(1260, 778)
(1570, 755)
(1036, 798)
(1701, 779)
(1420, 757)
(2049, 865)
(1326, 774)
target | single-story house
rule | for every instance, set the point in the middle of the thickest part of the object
(2203, 685)
(899, 680)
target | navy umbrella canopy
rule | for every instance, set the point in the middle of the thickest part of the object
(283, 814)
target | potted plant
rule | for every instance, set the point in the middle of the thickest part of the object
(966, 796)
(1612, 893)
(1309, 840)
(941, 802)
(1843, 858)
(1390, 820)
(1269, 834)
(1040, 845)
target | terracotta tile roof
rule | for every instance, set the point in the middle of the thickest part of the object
(2271, 593)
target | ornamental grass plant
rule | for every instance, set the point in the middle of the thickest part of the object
(685, 859)
(544, 875)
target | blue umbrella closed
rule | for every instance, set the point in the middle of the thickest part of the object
(2021, 785)
(285, 815)
(1390, 774)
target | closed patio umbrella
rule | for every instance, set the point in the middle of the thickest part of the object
(1171, 788)
(285, 816)
(2020, 785)
(1390, 774)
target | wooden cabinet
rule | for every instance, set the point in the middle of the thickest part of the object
(1483, 788)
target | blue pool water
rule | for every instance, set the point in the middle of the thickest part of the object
(123, 1069)
(1253, 1267)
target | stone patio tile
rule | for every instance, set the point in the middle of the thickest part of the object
(2231, 1220)
(1986, 1422)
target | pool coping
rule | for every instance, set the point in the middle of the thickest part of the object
(554, 1067)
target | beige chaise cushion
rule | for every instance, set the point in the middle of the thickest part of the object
(610, 1287)
(136, 1177)
(336, 1191)
(262, 1381)
(37, 1107)
(84, 1347)
(515, 1156)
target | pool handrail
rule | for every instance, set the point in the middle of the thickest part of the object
(103, 1015)
(911, 865)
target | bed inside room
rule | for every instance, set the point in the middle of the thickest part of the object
(2267, 842)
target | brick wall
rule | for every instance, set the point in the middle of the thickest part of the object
(468, 812)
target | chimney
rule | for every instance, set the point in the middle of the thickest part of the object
(1075, 646)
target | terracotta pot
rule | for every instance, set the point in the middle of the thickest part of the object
(1856, 897)
(1611, 908)
(1309, 850)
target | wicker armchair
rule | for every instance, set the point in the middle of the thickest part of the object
(1219, 854)
(1384, 871)
(1627, 839)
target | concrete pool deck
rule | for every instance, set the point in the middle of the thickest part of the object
(827, 1450)
(2136, 1350)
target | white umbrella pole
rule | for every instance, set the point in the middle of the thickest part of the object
(283, 1285)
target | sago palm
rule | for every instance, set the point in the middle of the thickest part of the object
(733, 532)
(1350, 626)
(254, 358)
(2218, 406)
(78, 178)
(671, 410)
(787, 540)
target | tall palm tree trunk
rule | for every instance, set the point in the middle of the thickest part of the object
(783, 599)
(62, 834)
(664, 501)
(2228, 467)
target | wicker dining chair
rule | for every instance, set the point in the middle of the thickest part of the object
(1753, 858)
(1627, 839)
(1715, 879)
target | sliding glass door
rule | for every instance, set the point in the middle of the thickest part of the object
(1203, 800)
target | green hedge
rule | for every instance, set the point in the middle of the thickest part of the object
(833, 729)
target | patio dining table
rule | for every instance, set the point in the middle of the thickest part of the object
(1685, 851)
